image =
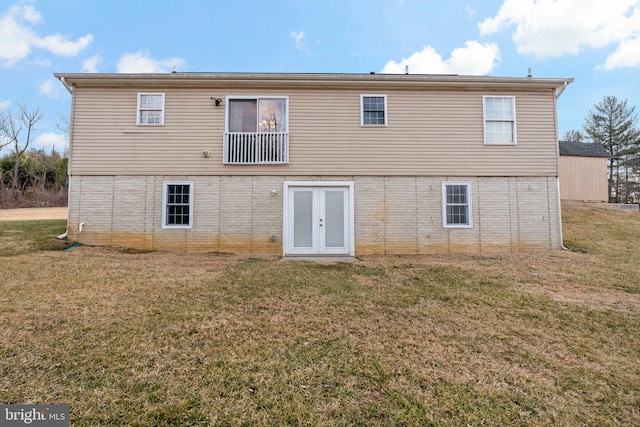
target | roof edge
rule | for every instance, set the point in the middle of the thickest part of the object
(194, 79)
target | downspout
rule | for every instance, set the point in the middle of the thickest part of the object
(557, 94)
(71, 91)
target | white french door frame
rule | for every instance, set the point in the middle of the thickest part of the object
(287, 226)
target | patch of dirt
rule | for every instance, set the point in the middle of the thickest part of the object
(27, 214)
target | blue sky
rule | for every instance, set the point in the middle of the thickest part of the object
(594, 41)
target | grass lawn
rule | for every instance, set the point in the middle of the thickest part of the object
(132, 338)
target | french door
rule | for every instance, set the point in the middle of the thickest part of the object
(318, 220)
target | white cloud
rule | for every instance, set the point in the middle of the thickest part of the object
(141, 62)
(626, 55)
(301, 45)
(41, 62)
(17, 38)
(59, 45)
(4, 104)
(470, 11)
(49, 140)
(548, 29)
(474, 59)
(90, 65)
(50, 89)
(28, 12)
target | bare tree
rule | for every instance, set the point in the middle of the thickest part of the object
(64, 125)
(573, 136)
(4, 138)
(11, 129)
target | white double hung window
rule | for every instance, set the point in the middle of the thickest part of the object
(499, 120)
(373, 110)
(456, 205)
(177, 206)
(150, 109)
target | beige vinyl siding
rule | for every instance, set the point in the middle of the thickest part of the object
(429, 133)
(583, 179)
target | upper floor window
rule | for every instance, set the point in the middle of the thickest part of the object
(456, 205)
(499, 119)
(257, 115)
(373, 110)
(150, 109)
(177, 207)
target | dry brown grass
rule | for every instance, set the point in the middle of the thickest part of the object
(549, 338)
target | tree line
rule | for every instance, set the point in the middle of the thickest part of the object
(36, 169)
(614, 124)
(29, 176)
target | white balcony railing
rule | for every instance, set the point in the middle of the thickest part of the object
(256, 148)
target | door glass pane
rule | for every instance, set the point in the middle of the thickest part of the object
(302, 219)
(334, 219)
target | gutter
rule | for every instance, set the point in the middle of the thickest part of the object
(315, 81)
(66, 85)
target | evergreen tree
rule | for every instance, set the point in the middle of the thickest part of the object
(613, 124)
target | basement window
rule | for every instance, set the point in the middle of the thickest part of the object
(456, 205)
(177, 206)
